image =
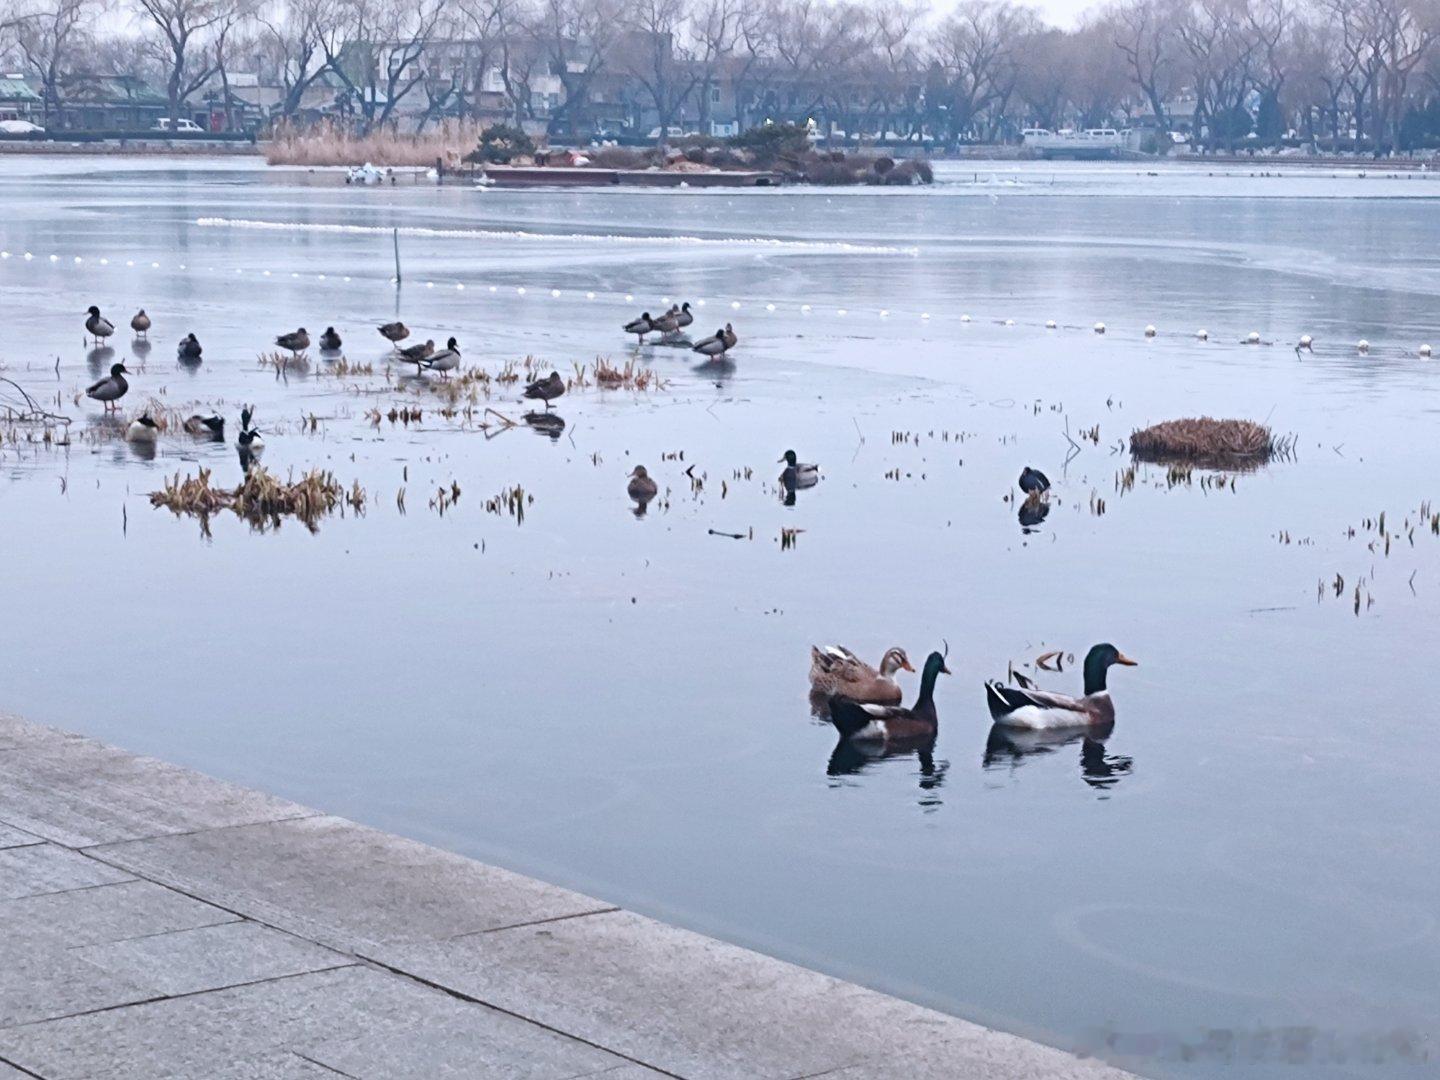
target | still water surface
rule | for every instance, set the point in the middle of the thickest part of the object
(619, 704)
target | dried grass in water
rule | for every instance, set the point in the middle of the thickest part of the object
(1206, 441)
(262, 499)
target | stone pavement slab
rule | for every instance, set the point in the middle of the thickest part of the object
(46, 868)
(702, 1009)
(314, 1016)
(127, 909)
(344, 885)
(10, 837)
(78, 792)
(210, 957)
(42, 981)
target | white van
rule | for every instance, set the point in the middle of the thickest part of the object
(181, 125)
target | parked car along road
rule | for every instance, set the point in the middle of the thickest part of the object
(19, 127)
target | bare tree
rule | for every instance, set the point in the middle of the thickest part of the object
(187, 35)
(375, 48)
(49, 35)
(290, 39)
(575, 38)
(650, 52)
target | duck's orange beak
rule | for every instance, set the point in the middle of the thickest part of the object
(1121, 658)
(907, 665)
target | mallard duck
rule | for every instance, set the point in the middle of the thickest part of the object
(718, 344)
(669, 322)
(97, 326)
(859, 720)
(189, 348)
(683, 316)
(394, 332)
(140, 323)
(836, 670)
(1014, 707)
(797, 474)
(1033, 481)
(640, 327)
(142, 430)
(444, 361)
(641, 487)
(330, 340)
(546, 389)
(111, 388)
(210, 427)
(417, 353)
(295, 342)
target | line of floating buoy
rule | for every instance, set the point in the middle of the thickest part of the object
(1305, 341)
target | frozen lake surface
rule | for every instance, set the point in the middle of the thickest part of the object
(619, 704)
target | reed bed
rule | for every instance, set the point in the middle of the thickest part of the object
(262, 499)
(328, 145)
(1205, 441)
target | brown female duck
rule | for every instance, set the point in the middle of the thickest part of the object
(836, 670)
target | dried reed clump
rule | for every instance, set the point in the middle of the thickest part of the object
(1208, 441)
(630, 377)
(330, 145)
(262, 499)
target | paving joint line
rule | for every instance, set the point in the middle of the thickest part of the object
(537, 922)
(519, 1016)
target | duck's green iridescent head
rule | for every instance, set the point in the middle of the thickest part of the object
(1098, 661)
(789, 458)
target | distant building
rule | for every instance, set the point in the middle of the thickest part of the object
(113, 103)
(19, 100)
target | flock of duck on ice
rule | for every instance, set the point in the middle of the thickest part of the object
(863, 702)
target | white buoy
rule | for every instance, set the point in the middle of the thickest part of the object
(520, 289)
(769, 307)
(104, 262)
(841, 311)
(924, 315)
(1049, 324)
(964, 318)
(699, 303)
(555, 293)
(1009, 322)
(1306, 341)
(805, 308)
(1150, 331)
(4, 254)
(54, 258)
(1425, 350)
(629, 297)
(588, 295)
(735, 305)
(1099, 328)
(884, 313)
(1362, 345)
(1253, 337)
(265, 273)
(1202, 334)
(78, 260)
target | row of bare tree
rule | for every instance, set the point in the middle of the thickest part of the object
(1235, 70)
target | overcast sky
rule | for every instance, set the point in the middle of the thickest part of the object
(1059, 12)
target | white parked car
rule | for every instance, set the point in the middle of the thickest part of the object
(19, 127)
(163, 124)
(671, 132)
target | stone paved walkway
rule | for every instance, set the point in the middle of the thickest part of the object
(157, 923)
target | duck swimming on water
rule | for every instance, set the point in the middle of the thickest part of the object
(208, 427)
(1037, 709)
(862, 721)
(836, 670)
(142, 430)
(796, 473)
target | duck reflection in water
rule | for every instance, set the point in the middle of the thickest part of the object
(1033, 513)
(549, 424)
(1011, 747)
(140, 347)
(99, 358)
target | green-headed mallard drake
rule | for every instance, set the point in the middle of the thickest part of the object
(444, 361)
(249, 442)
(1033, 482)
(296, 342)
(858, 720)
(836, 670)
(546, 389)
(142, 429)
(330, 340)
(683, 316)
(1037, 709)
(797, 474)
(640, 327)
(110, 389)
(642, 487)
(717, 344)
(208, 427)
(189, 348)
(97, 326)
(394, 332)
(416, 353)
(140, 323)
